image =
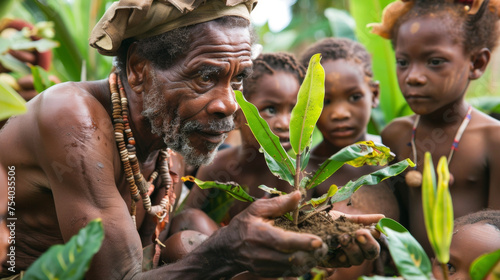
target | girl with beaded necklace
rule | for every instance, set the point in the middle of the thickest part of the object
(440, 46)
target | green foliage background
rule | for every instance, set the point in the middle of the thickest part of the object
(74, 60)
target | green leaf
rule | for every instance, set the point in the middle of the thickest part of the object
(269, 142)
(41, 79)
(11, 103)
(309, 105)
(388, 222)
(271, 190)
(484, 265)
(278, 168)
(218, 206)
(408, 255)
(231, 188)
(429, 196)
(14, 65)
(392, 102)
(319, 200)
(356, 154)
(71, 260)
(341, 23)
(41, 45)
(370, 179)
(443, 213)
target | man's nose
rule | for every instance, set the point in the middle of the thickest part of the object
(223, 103)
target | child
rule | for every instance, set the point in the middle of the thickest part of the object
(273, 89)
(350, 93)
(440, 47)
(475, 234)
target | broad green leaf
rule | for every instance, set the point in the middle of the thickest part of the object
(271, 190)
(71, 260)
(309, 105)
(408, 255)
(370, 179)
(341, 23)
(443, 213)
(356, 154)
(429, 196)
(485, 265)
(218, 206)
(14, 65)
(319, 200)
(278, 169)
(232, 188)
(269, 142)
(388, 222)
(11, 103)
(383, 58)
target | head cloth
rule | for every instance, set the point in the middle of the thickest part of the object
(146, 18)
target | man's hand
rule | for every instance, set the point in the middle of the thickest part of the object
(363, 246)
(255, 244)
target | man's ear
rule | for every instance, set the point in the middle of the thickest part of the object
(375, 88)
(479, 61)
(136, 69)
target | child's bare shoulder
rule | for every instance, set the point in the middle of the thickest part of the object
(487, 126)
(220, 167)
(393, 131)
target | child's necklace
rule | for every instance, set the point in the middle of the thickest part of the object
(414, 177)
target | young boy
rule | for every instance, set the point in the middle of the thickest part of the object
(440, 47)
(273, 89)
(350, 93)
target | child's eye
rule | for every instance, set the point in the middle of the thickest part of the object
(451, 268)
(326, 102)
(269, 110)
(436, 61)
(401, 62)
(355, 97)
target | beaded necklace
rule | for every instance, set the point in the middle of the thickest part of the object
(414, 177)
(139, 187)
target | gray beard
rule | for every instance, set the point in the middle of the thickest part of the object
(176, 135)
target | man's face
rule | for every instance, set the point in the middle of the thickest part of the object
(191, 104)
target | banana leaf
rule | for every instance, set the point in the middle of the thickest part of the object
(392, 102)
(71, 260)
(371, 179)
(309, 105)
(356, 155)
(231, 188)
(278, 160)
(11, 103)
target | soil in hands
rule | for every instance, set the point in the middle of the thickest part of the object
(333, 232)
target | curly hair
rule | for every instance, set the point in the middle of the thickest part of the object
(340, 48)
(473, 31)
(491, 217)
(269, 63)
(162, 50)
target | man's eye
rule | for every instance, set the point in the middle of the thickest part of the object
(205, 78)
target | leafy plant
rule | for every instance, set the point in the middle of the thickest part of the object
(71, 260)
(11, 103)
(304, 116)
(408, 255)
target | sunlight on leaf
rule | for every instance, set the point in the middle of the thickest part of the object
(309, 105)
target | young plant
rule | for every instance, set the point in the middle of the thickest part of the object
(438, 209)
(304, 116)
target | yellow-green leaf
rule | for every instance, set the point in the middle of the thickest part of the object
(11, 103)
(309, 105)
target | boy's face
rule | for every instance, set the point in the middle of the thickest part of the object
(348, 102)
(275, 96)
(468, 243)
(432, 68)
